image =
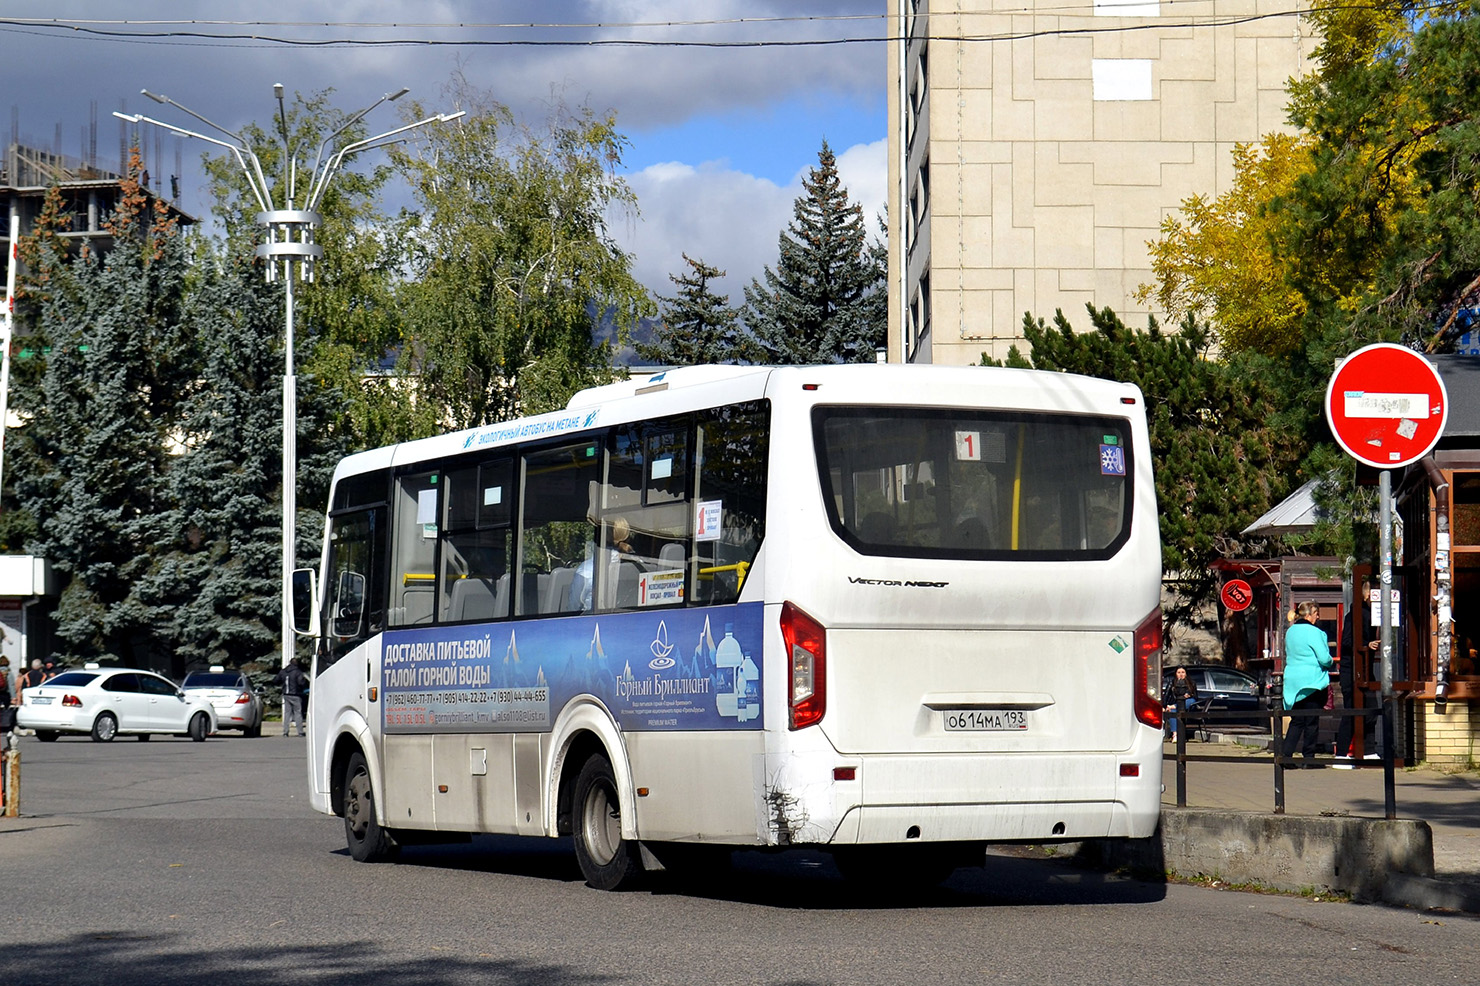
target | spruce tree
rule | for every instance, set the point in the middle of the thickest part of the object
(697, 326)
(822, 302)
(118, 362)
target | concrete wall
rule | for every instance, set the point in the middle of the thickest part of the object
(1358, 856)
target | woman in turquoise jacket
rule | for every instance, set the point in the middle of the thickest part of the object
(1308, 662)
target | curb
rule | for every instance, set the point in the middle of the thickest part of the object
(1431, 893)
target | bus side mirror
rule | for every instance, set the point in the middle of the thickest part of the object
(305, 602)
(349, 605)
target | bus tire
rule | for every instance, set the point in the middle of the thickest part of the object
(607, 861)
(368, 842)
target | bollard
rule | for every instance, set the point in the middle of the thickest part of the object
(12, 778)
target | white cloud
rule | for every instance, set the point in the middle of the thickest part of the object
(729, 219)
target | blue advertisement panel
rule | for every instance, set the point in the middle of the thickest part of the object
(675, 669)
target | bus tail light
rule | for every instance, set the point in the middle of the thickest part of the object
(1148, 670)
(806, 649)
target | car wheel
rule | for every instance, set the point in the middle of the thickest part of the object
(254, 730)
(143, 737)
(46, 735)
(199, 726)
(105, 727)
(607, 860)
(368, 842)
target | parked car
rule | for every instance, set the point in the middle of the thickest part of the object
(238, 705)
(105, 702)
(1221, 689)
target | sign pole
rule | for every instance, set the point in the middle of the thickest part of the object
(1385, 584)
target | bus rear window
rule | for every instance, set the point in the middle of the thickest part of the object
(928, 483)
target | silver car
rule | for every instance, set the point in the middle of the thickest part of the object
(105, 702)
(238, 705)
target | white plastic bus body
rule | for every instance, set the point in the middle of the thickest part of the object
(868, 606)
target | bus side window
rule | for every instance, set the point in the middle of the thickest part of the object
(477, 542)
(413, 566)
(557, 536)
(355, 588)
(730, 487)
(646, 514)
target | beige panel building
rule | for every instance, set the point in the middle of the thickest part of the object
(1036, 146)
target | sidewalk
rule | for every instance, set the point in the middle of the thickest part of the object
(1448, 802)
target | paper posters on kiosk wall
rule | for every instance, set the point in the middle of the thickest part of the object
(660, 670)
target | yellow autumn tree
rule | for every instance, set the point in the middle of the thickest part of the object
(1219, 260)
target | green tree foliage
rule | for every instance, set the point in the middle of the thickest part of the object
(1219, 453)
(824, 302)
(348, 315)
(698, 326)
(510, 264)
(117, 362)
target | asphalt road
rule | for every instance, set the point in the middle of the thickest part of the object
(175, 862)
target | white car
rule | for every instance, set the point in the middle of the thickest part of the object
(104, 702)
(238, 705)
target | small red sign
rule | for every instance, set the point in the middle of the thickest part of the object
(1237, 595)
(1386, 405)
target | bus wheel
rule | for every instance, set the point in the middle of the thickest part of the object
(368, 842)
(607, 861)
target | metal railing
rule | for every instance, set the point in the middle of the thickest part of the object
(1193, 719)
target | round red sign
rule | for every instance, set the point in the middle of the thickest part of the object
(1386, 406)
(1237, 595)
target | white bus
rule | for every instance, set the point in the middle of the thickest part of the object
(895, 613)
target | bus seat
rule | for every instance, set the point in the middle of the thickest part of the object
(553, 596)
(501, 595)
(419, 602)
(628, 575)
(472, 599)
(876, 528)
(673, 554)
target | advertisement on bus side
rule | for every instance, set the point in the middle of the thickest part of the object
(675, 669)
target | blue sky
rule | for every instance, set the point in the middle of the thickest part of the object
(720, 135)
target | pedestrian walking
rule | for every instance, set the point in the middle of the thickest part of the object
(294, 684)
(1308, 663)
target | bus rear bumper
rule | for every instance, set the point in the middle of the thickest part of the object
(1029, 797)
(989, 822)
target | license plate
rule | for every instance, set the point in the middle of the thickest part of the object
(41, 699)
(1003, 720)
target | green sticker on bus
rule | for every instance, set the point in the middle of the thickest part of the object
(1118, 644)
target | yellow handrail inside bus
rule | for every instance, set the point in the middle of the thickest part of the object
(1017, 487)
(739, 568)
(418, 578)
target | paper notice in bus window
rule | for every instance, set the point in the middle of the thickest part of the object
(426, 507)
(663, 468)
(968, 446)
(493, 495)
(660, 588)
(707, 520)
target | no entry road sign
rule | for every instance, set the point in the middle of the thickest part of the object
(1386, 406)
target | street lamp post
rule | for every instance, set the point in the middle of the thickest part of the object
(289, 241)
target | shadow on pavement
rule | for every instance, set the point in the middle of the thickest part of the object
(801, 879)
(132, 959)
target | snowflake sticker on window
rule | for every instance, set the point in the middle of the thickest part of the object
(1112, 460)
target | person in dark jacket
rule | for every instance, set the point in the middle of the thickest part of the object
(294, 684)
(1184, 696)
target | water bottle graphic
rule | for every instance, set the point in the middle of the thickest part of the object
(728, 657)
(750, 696)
